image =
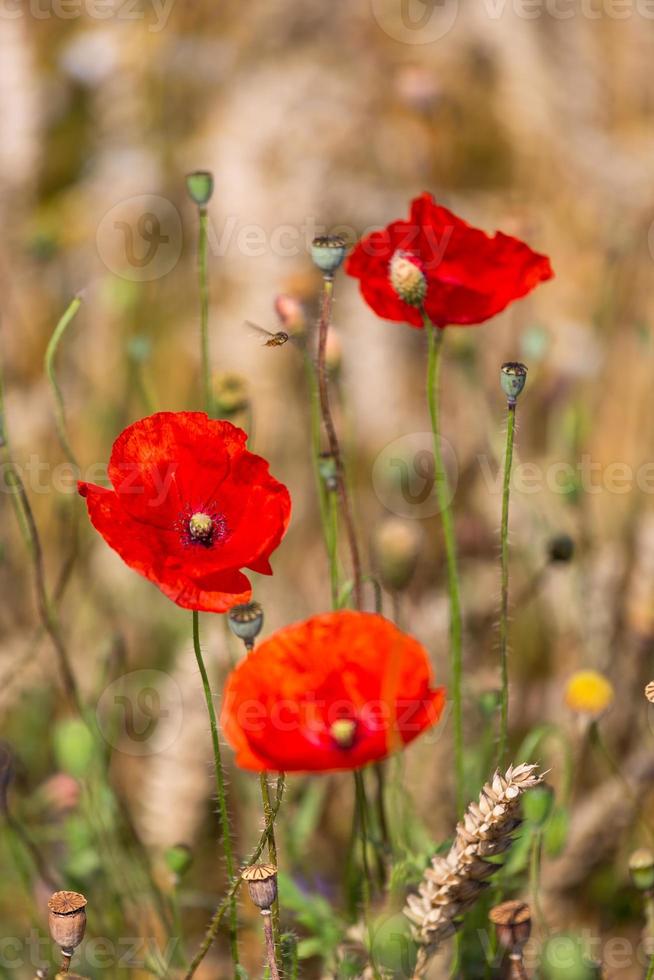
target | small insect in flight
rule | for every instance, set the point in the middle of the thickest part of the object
(272, 339)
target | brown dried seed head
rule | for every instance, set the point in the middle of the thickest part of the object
(67, 919)
(513, 923)
(261, 880)
(649, 692)
(63, 903)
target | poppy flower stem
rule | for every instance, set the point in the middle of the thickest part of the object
(504, 607)
(220, 785)
(269, 816)
(435, 346)
(332, 437)
(203, 281)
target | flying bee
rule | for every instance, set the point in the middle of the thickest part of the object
(277, 339)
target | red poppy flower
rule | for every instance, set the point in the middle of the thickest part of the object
(461, 275)
(190, 507)
(334, 692)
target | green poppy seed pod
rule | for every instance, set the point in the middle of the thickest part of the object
(407, 278)
(261, 880)
(73, 747)
(561, 548)
(245, 622)
(199, 185)
(513, 377)
(537, 804)
(178, 859)
(67, 920)
(328, 252)
(396, 545)
(512, 921)
(563, 958)
(641, 869)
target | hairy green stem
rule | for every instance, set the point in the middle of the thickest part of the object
(504, 608)
(332, 437)
(214, 925)
(220, 785)
(51, 350)
(435, 345)
(203, 280)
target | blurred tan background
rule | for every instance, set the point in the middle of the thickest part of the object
(536, 119)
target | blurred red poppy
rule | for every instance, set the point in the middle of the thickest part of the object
(334, 692)
(468, 276)
(190, 507)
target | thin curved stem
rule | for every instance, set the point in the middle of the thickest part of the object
(203, 281)
(332, 437)
(220, 785)
(504, 608)
(60, 414)
(435, 345)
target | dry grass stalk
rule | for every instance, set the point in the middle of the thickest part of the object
(452, 884)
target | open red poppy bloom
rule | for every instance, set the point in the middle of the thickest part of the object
(190, 507)
(334, 692)
(461, 274)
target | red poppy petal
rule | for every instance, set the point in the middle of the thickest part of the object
(146, 550)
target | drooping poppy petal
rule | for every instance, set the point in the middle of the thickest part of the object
(190, 507)
(470, 276)
(337, 691)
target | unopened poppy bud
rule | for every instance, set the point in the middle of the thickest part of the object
(589, 693)
(328, 252)
(513, 377)
(407, 278)
(261, 880)
(561, 548)
(641, 869)
(230, 394)
(67, 920)
(73, 746)
(290, 313)
(6, 774)
(199, 185)
(178, 859)
(512, 921)
(537, 804)
(649, 692)
(245, 621)
(396, 545)
(343, 731)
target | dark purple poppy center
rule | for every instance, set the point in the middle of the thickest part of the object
(202, 527)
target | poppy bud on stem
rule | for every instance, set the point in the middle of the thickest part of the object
(200, 189)
(513, 377)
